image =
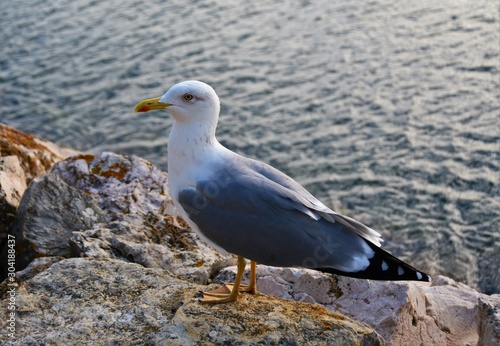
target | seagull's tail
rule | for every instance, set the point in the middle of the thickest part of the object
(384, 266)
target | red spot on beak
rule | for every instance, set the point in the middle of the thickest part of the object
(142, 110)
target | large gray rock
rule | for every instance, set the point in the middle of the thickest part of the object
(488, 320)
(404, 313)
(24, 157)
(49, 212)
(84, 301)
(12, 187)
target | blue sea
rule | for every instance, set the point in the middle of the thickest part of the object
(387, 111)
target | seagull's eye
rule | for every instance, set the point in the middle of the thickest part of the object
(188, 97)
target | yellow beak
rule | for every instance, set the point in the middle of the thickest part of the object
(150, 105)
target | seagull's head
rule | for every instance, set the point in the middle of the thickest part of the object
(187, 102)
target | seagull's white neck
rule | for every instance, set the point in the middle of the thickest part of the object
(191, 148)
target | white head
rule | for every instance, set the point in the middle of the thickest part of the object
(188, 102)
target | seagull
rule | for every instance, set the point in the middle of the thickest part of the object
(250, 209)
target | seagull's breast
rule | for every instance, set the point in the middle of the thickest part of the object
(186, 171)
(192, 157)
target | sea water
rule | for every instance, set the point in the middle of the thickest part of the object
(387, 111)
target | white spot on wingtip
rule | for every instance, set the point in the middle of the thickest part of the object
(400, 271)
(384, 266)
(419, 276)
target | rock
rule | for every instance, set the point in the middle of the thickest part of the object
(12, 180)
(22, 158)
(488, 320)
(263, 320)
(302, 285)
(36, 266)
(84, 301)
(35, 155)
(404, 313)
(12, 187)
(396, 309)
(50, 211)
(125, 187)
(141, 225)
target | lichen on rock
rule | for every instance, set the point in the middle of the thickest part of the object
(35, 155)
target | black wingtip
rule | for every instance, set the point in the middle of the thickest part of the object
(384, 266)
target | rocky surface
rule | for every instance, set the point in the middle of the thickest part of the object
(35, 155)
(22, 158)
(140, 223)
(102, 258)
(12, 187)
(49, 213)
(83, 301)
(109, 206)
(404, 313)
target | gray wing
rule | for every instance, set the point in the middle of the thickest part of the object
(253, 210)
(301, 195)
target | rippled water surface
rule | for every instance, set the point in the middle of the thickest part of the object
(387, 111)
